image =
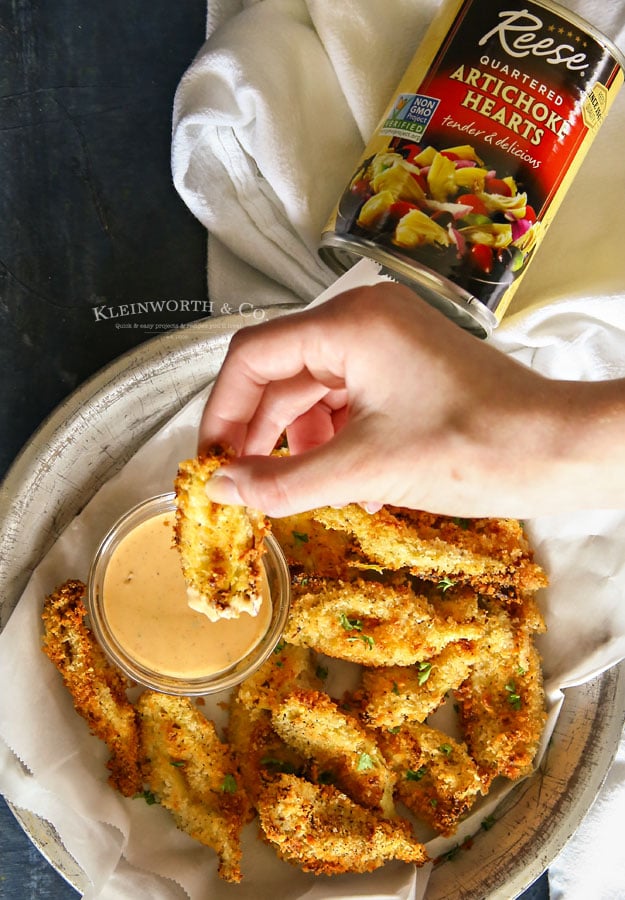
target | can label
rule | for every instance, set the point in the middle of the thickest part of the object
(477, 148)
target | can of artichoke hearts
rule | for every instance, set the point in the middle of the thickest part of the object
(475, 152)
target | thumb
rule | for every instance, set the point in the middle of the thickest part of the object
(283, 486)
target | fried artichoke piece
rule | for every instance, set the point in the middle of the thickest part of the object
(490, 554)
(502, 703)
(371, 623)
(342, 750)
(220, 546)
(311, 548)
(397, 694)
(321, 830)
(97, 688)
(195, 776)
(436, 778)
(262, 755)
(289, 667)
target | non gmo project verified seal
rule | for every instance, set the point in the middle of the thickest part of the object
(410, 116)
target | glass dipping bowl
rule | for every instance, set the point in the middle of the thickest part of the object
(139, 670)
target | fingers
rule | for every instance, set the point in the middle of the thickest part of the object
(272, 374)
(331, 474)
(302, 400)
(318, 424)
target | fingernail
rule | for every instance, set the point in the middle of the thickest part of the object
(220, 488)
(371, 506)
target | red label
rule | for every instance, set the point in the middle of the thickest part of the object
(519, 76)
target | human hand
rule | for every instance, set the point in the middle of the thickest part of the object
(384, 400)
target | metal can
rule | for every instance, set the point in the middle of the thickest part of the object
(475, 152)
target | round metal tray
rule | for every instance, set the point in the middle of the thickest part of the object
(98, 428)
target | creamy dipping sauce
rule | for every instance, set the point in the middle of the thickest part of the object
(145, 603)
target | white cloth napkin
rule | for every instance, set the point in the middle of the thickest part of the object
(268, 122)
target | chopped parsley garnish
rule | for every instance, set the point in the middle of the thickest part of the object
(177, 763)
(488, 823)
(514, 698)
(229, 784)
(300, 536)
(350, 624)
(148, 796)
(365, 762)
(446, 749)
(455, 850)
(395, 688)
(322, 672)
(424, 669)
(445, 583)
(462, 523)
(415, 774)
(355, 625)
(278, 765)
(365, 638)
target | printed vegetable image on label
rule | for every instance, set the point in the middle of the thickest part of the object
(477, 148)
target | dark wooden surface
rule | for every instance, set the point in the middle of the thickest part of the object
(89, 220)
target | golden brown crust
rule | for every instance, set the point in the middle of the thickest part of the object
(261, 753)
(289, 667)
(397, 694)
(436, 778)
(195, 776)
(310, 548)
(98, 688)
(322, 831)
(488, 553)
(371, 623)
(341, 749)
(423, 605)
(501, 703)
(220, 546)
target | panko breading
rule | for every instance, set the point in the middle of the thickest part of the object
(221, 546)
(322, 831)
(98, 688)
(289, 667)
(436, 778)
(194, 775)
(396, 694)
(484, 552)
(262, 755)
(340, 747)
(312, 548)
(502, 703)
(371, 623)
(451, 601)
